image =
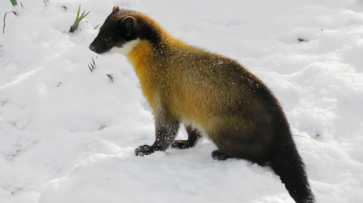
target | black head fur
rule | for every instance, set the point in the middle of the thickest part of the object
(122, 26)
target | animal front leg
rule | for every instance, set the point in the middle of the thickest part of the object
(218, 155)
(193, 137)
(166, 129)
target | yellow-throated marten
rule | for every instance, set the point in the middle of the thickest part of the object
(210, 94)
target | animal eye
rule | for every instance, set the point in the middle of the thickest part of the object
(108, 39)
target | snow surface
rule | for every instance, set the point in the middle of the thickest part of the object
(68, 134)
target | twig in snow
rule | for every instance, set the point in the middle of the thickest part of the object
(302, 40)
(5, 17)
(110, 76)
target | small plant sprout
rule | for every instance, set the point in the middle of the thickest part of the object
(78, 19)
(93, 65)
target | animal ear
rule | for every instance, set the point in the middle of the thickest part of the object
(129, 23)
(115, 9)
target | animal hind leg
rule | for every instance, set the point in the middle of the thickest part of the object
(232, 144)
(193, 137)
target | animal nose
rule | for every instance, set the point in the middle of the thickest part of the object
(92, 48)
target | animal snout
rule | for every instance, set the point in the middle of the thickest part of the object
(92, 47)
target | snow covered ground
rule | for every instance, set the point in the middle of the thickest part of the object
(68, 134)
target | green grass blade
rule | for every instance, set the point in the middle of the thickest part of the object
(76, 23)
(79, 9)
(85, 15)
(14, 2)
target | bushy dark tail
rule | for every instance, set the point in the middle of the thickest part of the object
(287, 163)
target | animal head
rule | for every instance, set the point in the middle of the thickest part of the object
(117, 30)
(122, 30)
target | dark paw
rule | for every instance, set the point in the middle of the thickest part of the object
(218, 155)
(180, 144)
(144, 150)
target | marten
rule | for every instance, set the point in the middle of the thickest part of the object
(210, 94)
